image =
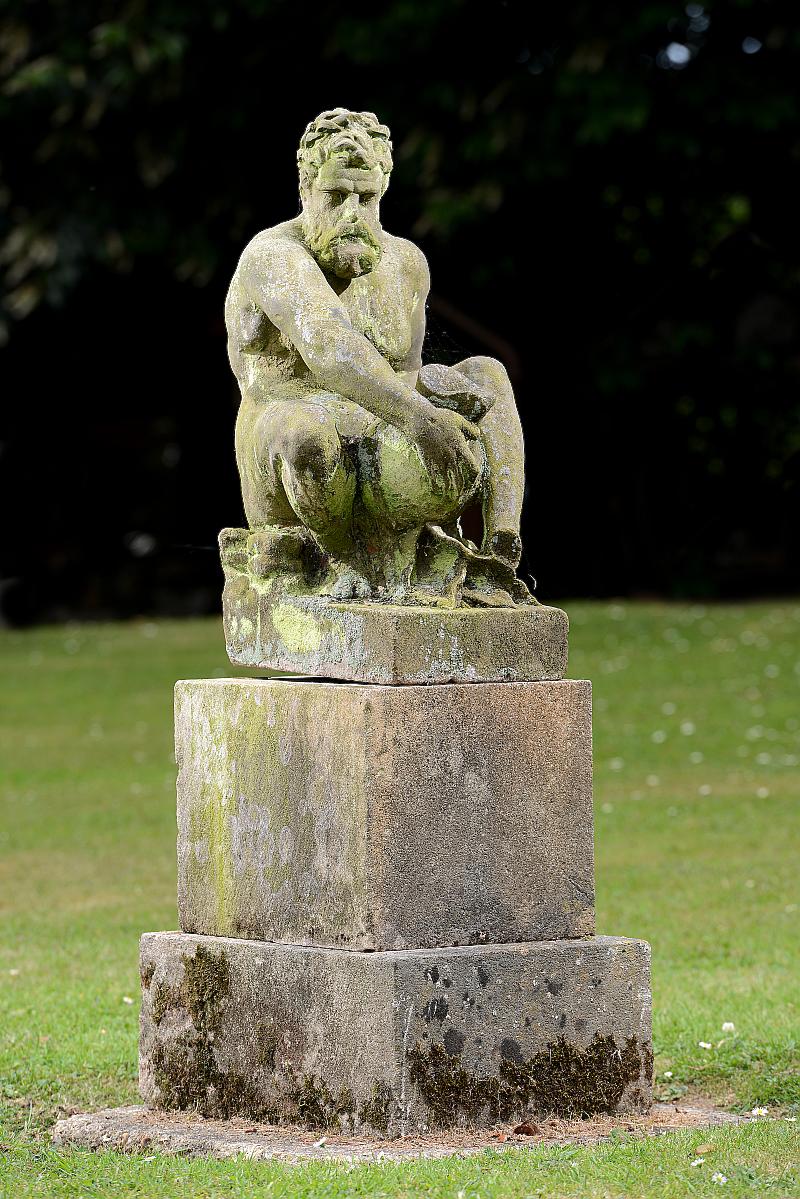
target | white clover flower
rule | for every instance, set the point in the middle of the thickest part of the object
(688, 728)
(718, 1178)
(668, 1074)
(127, 999)
(704, 1044)
(729, 1026)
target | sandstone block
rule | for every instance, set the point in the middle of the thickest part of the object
(371, 817)
(382, 643)
(398, 1041)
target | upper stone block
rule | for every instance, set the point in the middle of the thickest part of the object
(366, 817)
(384, 643)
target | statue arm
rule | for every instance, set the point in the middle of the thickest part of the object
(288, 286)
(416, 266)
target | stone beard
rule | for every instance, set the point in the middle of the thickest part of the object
(345, 248)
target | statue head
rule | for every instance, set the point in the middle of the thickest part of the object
(345, 159)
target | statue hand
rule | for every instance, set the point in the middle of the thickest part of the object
(444, 438)
(446, 387)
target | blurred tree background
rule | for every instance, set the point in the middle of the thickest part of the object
(607, 194)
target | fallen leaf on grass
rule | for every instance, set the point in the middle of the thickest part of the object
(527, 1130)
(702, 1150)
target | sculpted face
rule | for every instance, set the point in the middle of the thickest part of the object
(340, 218)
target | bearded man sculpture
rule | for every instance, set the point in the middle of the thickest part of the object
(357, 462)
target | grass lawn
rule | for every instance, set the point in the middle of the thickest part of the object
(697, 743)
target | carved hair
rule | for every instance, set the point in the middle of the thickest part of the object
(371, 136)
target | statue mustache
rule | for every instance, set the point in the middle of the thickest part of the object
(342, 230)
(320, 233)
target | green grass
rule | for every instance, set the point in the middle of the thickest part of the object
(697, 742)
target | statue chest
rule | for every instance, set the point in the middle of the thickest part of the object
(381, 309)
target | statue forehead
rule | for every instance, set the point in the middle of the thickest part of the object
(334, 176)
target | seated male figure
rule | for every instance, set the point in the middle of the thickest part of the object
(343, 440)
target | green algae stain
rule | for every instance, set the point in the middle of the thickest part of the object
(299, 631)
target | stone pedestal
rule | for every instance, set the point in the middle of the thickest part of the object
(447, 829)
(367, 817)
(395, 1042)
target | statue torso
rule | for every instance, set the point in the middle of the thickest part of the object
(380, 305)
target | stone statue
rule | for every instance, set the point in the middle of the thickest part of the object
(356, 461)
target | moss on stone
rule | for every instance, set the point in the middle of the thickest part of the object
(311, 1102)
(205, 983)
(187, 1076)
(298, 630)
(562, 1079)
(185, 1067)
(376, 1112)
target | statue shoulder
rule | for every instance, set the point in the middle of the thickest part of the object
(413, 261)
(271, 246)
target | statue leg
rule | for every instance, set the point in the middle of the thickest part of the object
(294, 470)
(501, 431)
(403, 490)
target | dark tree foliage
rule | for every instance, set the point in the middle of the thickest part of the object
(608, 195)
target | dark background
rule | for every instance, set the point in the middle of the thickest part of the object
(608, 197)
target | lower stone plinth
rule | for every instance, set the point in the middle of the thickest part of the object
(395, 1042)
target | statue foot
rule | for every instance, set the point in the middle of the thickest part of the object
(506, 545)
(487, 597)
(350, 585)
(283, 550)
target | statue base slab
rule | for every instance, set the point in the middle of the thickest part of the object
(274, 629)
(398, 1041)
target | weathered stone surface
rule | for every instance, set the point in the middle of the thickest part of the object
(371, 817)
(268, 627)
(395, 1041)
(137, 1129)
(356, 461)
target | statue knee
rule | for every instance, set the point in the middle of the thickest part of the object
(486, 372)
(308, 445)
